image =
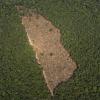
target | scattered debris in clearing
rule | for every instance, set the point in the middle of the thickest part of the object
(44, 37)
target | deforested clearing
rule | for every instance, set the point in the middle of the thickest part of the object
(44, 37)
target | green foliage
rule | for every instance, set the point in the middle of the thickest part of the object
(79, 22)
(20, 76)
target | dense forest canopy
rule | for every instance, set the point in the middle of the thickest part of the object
(21, 77)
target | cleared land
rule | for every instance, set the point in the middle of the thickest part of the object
(45, 40)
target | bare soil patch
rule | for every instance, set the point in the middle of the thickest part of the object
(44, 37)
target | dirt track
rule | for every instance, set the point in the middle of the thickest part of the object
(44, 37)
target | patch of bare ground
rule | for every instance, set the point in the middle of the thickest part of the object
(44, 37)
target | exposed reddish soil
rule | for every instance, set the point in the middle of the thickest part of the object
(44, 37)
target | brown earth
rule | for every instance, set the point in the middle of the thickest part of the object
(44, 37)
